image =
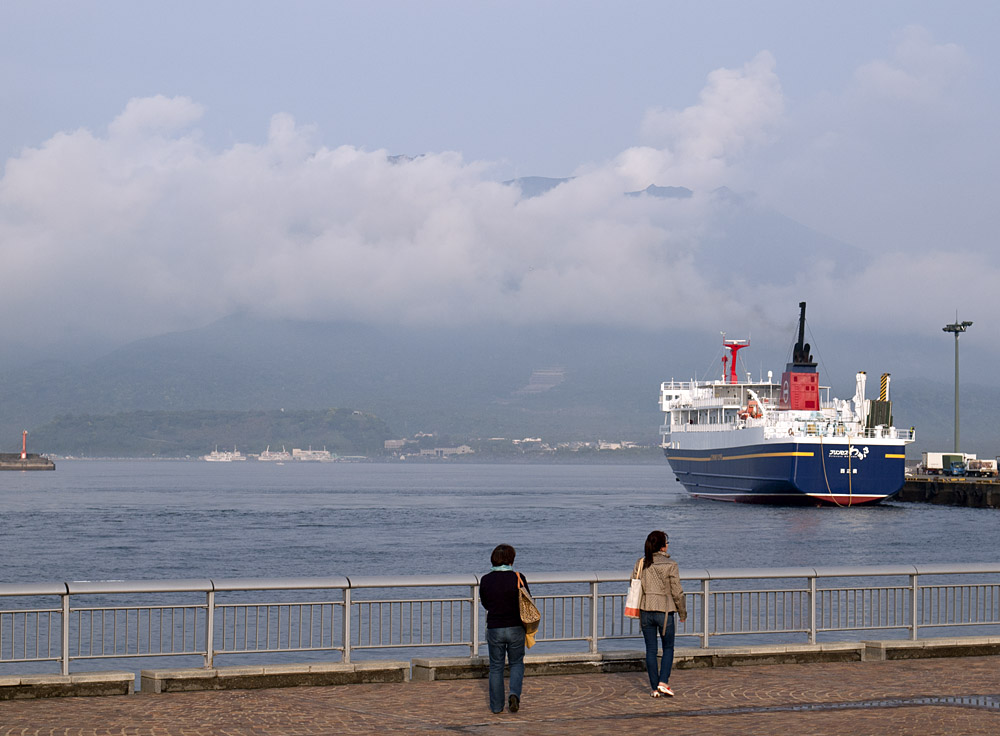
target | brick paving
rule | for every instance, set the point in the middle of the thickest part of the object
(794, 699)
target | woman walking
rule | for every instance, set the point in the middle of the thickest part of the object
(662, 600)
(505, 634)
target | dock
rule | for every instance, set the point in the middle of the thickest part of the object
(981, 493)
(30, 461)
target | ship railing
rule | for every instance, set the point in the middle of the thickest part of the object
(345, 617)
(779, 428)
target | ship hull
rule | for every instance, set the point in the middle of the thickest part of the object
(792, 473)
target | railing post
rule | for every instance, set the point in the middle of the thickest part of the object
(914, 596)
(474, 646)
(210, 629)
(593, 617)
(813, 602)
(705, 597)
(65, 632)
(347, 625)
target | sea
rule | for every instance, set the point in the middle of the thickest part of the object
(153, 520)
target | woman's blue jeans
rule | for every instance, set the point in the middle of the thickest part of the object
(651, 623)
(505, 643)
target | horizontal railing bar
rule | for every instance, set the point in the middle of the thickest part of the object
(176, 607)
(285, 604)
(131, 655)
(413, 581)
(112, 587)
(21, 611)
(12, 589)
(388, 601)
(407, 645)
(231, 584)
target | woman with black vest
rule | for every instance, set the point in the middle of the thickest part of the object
(505, 633)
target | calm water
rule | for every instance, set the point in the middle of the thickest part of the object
(144, 520)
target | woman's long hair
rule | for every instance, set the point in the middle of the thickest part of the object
(654, 543)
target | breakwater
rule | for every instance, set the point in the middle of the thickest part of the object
(971, 492)
(33, 461)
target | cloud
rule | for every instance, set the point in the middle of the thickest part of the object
(736, 110)
(144, 228)
(155, 115)
(919, 70)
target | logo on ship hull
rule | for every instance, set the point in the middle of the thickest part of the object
(856, 453)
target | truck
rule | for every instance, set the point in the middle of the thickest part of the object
(982, 468)
(945, 463)
(957, 464)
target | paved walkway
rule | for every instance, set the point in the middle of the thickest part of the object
(939, 696)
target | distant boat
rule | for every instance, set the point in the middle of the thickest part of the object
(268, 456)
(224, 457)
(312, 456)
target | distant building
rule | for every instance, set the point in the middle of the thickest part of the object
(447, 451)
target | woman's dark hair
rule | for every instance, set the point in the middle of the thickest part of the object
(654, 543)
(502, 555)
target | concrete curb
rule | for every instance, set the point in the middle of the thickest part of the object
(876, 651)
(463, 668)
(266, 676)
(460, 668)
(17, 687)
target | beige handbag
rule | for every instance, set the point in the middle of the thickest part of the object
(530, 615)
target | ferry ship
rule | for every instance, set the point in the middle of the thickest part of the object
(784, 443)
(279, 457)
(224, 457)
(312, 456)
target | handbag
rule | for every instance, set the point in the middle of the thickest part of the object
(530, 615)
(634, 596)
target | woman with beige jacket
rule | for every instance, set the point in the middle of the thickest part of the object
(662, 597)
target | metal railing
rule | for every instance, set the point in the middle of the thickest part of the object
(65, 622)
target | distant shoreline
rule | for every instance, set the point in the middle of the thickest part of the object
(650, 457)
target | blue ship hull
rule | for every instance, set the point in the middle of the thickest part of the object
(792, 473)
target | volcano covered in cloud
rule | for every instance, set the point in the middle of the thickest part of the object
(121, 241)
(143, 229)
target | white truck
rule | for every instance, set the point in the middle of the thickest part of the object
(944, 463)
(957, 463)
(981, 468)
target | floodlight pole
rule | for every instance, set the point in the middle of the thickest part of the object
(957, 328)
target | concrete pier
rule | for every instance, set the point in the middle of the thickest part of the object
(14, 461)
(972, 492)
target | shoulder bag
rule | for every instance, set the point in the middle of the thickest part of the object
(530, 615)
(634, 596)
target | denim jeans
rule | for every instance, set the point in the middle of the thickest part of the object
(651, 623)
(507, 642)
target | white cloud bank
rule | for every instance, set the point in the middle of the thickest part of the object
(143, 229)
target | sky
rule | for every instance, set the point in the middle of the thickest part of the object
(165, 164)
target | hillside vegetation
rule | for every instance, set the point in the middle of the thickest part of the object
(193, 433)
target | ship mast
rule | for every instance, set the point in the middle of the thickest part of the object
(733, 346)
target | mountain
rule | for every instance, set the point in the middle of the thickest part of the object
(194, 433)
(561, 383)
(493, 380)
(487, 380)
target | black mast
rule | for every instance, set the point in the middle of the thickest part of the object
(800, 354)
